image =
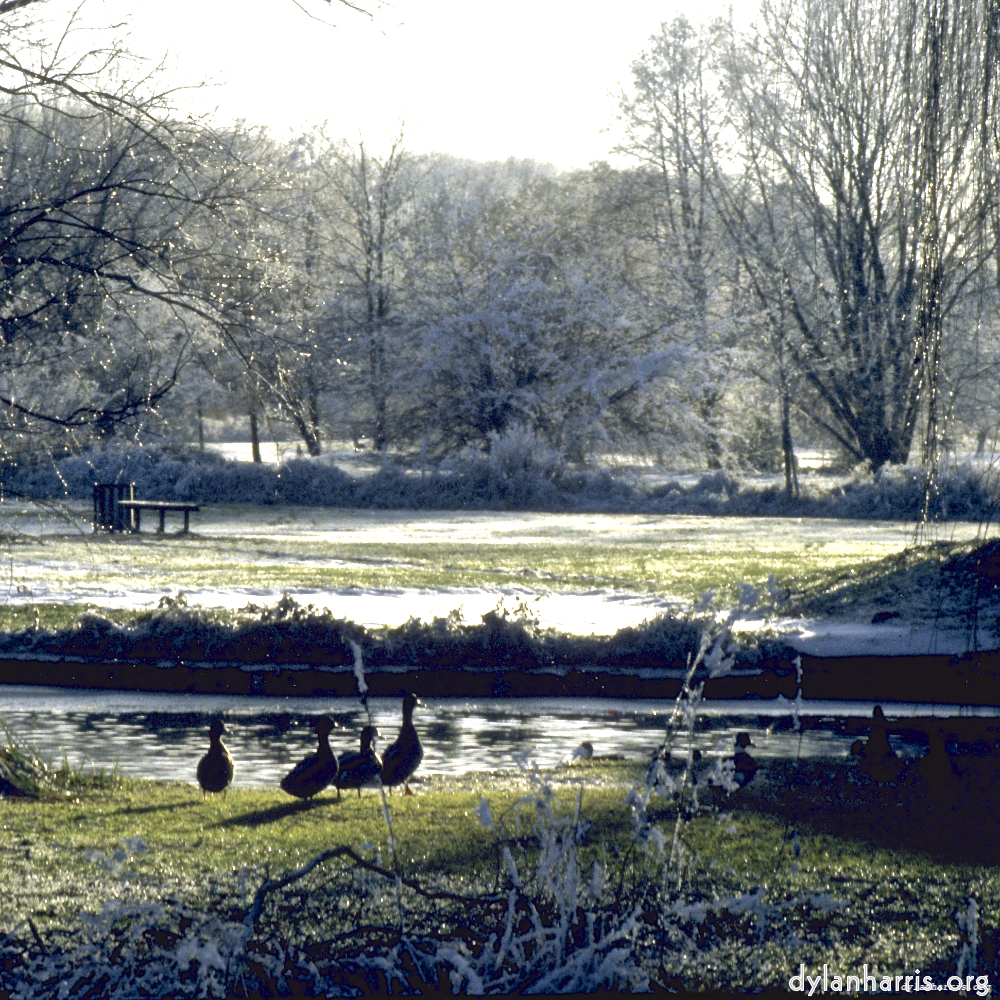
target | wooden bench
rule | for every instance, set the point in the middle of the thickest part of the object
(137, 506)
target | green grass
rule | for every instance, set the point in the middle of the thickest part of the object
(895, 906)
(198, 846)
(281, 548)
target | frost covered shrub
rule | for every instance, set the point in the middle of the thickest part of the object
(154, 473)
(223, 482)
(497, 485)
(314, 484)
(288, 632)
(519, 451)
(894, 493)
(521, 473)
(714, 493)
(897, 493)
(129, 950)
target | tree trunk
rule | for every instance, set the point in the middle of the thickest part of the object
(787, 444)
(310, 435)
(254, 437)
(713, 445)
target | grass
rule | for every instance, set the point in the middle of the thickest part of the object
(197, 848)
(892, 908)
(299, 549)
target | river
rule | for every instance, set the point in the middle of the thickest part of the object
(162, 736)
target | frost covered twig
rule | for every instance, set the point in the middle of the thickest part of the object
(348, 852)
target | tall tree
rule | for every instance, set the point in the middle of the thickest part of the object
(369, 201)
(865, 131)
(526, 317)
(673, 117)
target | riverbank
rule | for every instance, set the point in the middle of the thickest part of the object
(970, 679)
(871, 621)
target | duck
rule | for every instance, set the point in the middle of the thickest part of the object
(215, 769)
(745, 766)
(312, 775)
(404, 756)
(361, 767)
(585, 751)
(938, 772)
(877, 758)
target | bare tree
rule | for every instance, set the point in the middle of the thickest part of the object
(369, 201)
(868, 184)
(674, 117)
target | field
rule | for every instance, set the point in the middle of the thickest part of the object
(383, 566)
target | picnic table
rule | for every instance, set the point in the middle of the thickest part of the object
(116, 508)
(137, 506)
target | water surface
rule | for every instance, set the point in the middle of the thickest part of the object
(162, 736)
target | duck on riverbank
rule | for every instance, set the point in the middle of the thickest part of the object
(937, 772)
(312, 775)
(360, 768)
(404, 756)
(216, 768)
(745, 767)
(877, 758)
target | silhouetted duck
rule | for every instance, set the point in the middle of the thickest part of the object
(938, 772)
(745, 766)
(404, 756)
(215, 769)
(362, 767)
(878, 760)
(313, 774)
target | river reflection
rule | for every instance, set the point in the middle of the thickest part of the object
(163, 735)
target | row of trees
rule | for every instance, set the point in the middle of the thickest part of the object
(840, 163)
(804, 229)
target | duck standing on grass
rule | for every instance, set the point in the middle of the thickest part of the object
(878, 759)
(404, 756)
(936, 769)
(215, 769)
(360, 768)
(745, 767)
(312, 775)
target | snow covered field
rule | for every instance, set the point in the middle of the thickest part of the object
(579, 573)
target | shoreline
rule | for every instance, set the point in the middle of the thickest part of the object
(968, 679)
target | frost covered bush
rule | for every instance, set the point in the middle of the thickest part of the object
(127, 950)
(959, 493)
(222, 482)
(520, 452)
(314, 484)
(287, 632)
(520, 473)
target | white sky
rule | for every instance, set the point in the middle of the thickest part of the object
(524, 78)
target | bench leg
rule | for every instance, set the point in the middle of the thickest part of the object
(138, 520)
(186, 522)
(163, 518)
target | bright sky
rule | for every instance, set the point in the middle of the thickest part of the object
(525, 78)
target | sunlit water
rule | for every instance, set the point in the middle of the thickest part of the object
(163, 735)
